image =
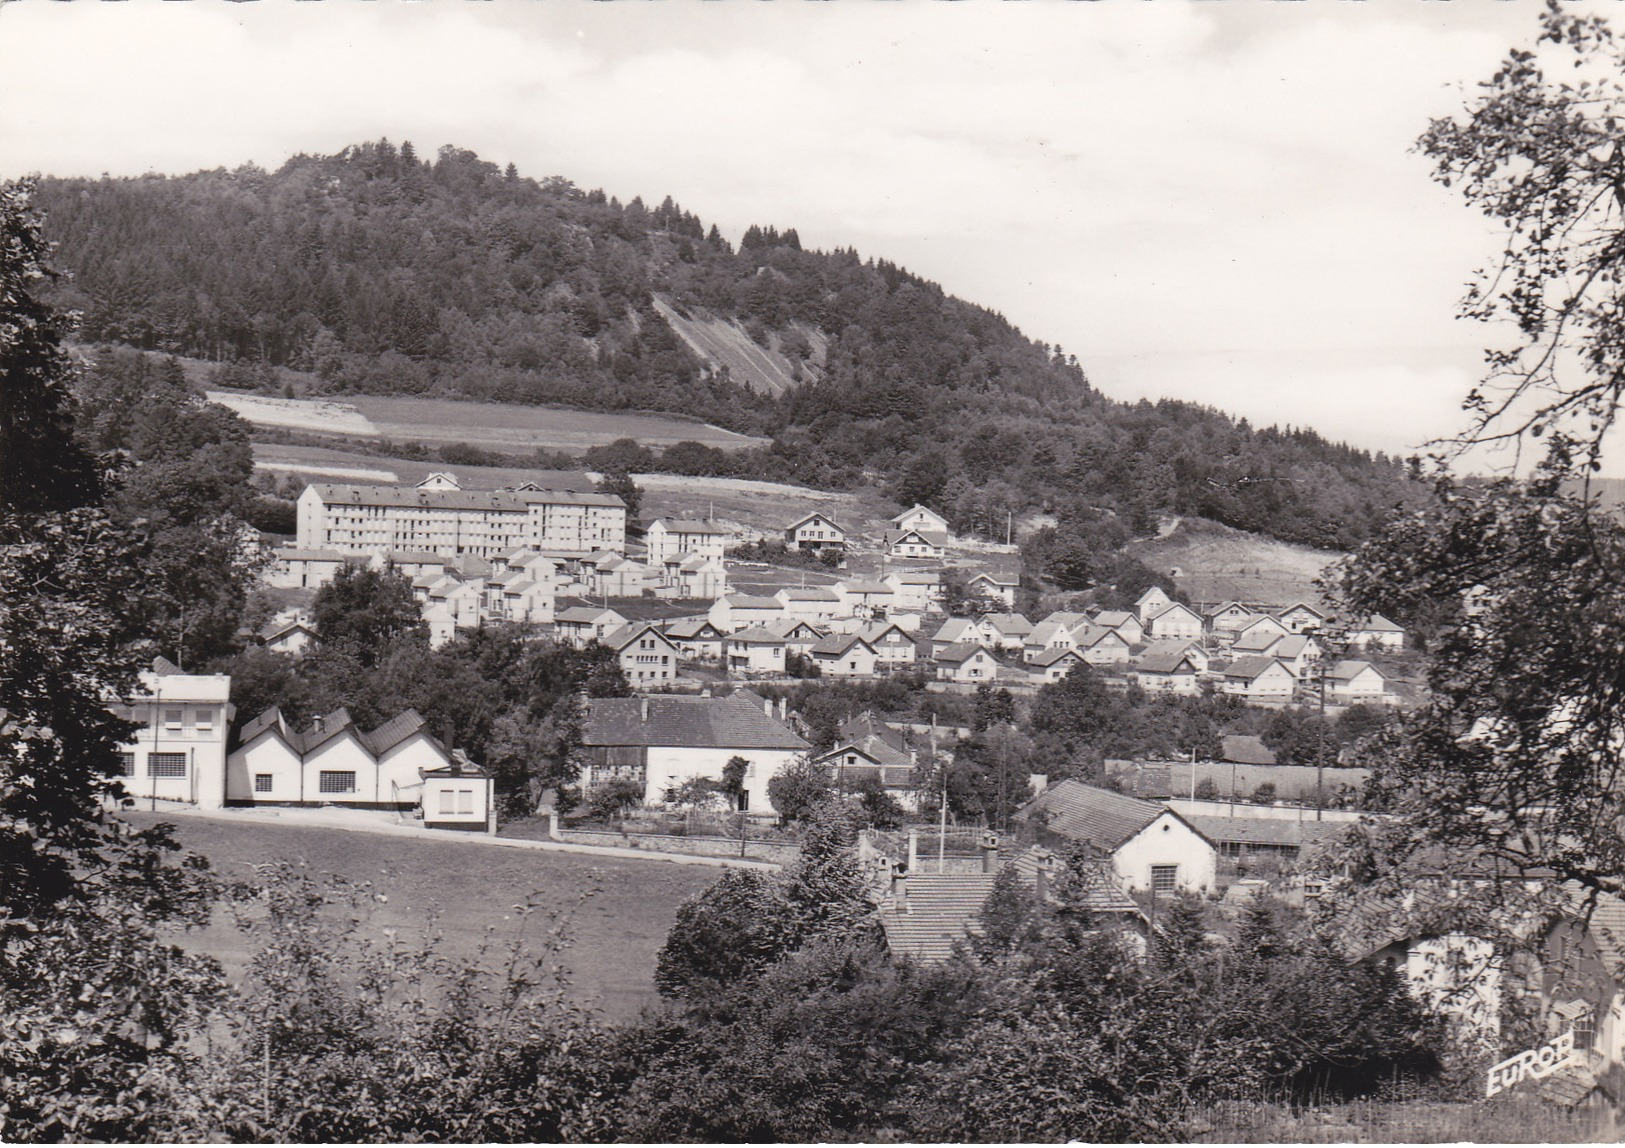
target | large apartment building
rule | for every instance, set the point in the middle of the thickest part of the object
(438, 516)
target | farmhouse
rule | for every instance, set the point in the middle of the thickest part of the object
(666, 740)
(814, 532)
(179, 753)
(438, 516)
(332, 762)
(672, 537)
(1152, 848)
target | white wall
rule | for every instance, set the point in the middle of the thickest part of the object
(669, 766)
(265, 754)
(1167, 841)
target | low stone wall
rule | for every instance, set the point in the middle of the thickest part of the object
(778, 852)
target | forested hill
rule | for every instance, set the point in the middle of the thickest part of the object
(383, 272)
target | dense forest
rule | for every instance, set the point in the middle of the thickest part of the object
(378, 271)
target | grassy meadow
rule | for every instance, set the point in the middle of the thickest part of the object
(474, 887)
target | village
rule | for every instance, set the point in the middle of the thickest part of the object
(699, 634)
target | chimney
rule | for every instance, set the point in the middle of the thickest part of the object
(644, 707)
(767, 707)
(784, 708)
(899, 888)
(990, 851)
(1041, 878)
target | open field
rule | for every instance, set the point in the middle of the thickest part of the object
(334, 464)
(507, 426)
(617, 931)
(1217, 563)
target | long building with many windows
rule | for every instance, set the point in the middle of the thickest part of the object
(438, 516)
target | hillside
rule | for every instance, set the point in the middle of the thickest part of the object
(375, 273)
(1214, 564)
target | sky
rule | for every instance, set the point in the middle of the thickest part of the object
(1211, 200)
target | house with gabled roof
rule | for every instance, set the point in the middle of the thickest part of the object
(961, 630)
(578, 625)
(798, 636)
(1151, 848)
(814, 532)
(1053, 665)
(816, 604)
(1377, 632)
(669, 537)
(1228, 617)
(844, 656)
(893, 645)
(1352, 681)
(918, 517)
(865, 598)
(1301, 617)
(668, 739)
(853, 761)
(754, 650)
(1175, 621)
(1152, 602)
(1009, 631)
(917, 544)
(692, 576)
(1298, 651)
(1193, 649)
(697, 638)
(1048, 637)
(1261, 625)
(966, 662)
(647, 656)
(1100, 646)
(1124, 623)
(332, 762)
(996, 584)
(915, 590)
(1260, 680)
(1167, 674)
(739, 611)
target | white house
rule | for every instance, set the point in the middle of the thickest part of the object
(1228, 617)
(669, 537)
(579, 625)
(915, 590)
(332, 762)
(1100, 646)
(865, 599)
(457, 795)
(1152, 848)
(692, 576)
(754, 650)
(1301, 617)
(1124, 623)
(1260, 680)
(1048, 637)
(666, 740)
(966, 662)
(917, 544)
(1193, 650)
(1351, 682)
(1154, 601)
(816, 604)
(300, 567)
(734, 612)
(893, 645)
(844, 656)
(1053, 665)
(918, 517)
(1175, 621)
(647, 656)
(996, 585)
(1377, 632)
(815, 532)
(1259, 626)
(179, 753)
(798, 636)
(697, 638)
(1167, 674)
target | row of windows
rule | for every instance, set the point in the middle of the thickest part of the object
(330, 781)
(457, 801)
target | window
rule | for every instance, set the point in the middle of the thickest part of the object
(205, 719)
(465, 801)
(447, 801)
(262, 783)
(1585, 1029)
(126, 764)
(172, 719)
(166, 765)
(1164, 878)
(337, 781)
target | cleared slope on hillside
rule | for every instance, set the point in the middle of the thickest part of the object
(724, 343)
(1216, 563)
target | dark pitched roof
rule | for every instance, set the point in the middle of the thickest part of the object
(836, 645)
(866, 724)
(1087, 813)
(877, 749)
(1251, 668)
(1101, 891)
(961, 652)
(733, 722)
(1048, 658)
(943, 910)
(1377, 624)
(271, 719)
(394, 731)
(1266, 830)
(1164, 663)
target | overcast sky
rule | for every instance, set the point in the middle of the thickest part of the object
(1212, 200)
